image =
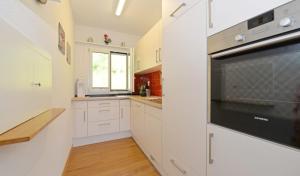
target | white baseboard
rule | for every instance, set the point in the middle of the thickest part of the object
(101, 138)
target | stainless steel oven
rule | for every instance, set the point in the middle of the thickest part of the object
(255, 76)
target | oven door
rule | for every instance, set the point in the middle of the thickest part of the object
(255, 89)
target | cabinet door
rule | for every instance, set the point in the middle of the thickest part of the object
(174, 9)
(138, 121)
(153, 137)
(139, 55)
(224, 14)
(80, 122)
(125, 115)
(157, 43)
(184, 112)
(234, 153)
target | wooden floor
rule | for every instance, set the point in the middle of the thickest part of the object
(115, 158)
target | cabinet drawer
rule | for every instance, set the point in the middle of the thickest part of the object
(103, 103)
(103, 113)
(79, 104)
(103, 127)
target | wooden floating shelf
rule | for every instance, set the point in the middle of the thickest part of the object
(27, 130)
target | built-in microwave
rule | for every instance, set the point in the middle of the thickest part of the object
(255, 76)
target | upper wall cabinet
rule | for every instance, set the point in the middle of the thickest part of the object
(148, 50)
(223, 14)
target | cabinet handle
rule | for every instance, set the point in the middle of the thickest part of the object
(210, 23)
(103, 104)
(104, 110)
(178, 8)
(103, 124)
(152, 158)
(36, 84)
(178, 167)
(159, 54)
(210, 160)
(156, 56)
(122, 113)
(84, 116)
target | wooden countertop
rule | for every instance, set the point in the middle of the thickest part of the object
(100, 98)
(151, 101)
(27, 130)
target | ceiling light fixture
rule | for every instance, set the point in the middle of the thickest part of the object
(120, 7)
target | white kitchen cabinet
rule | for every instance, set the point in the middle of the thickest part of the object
(174, 9)
(235, 153)
(138, 122)
(103, 110)
(103, 117)
(125, 115)
(185, 88)
(103, 127)
(224, 14)
(148, 50)
(153, 137)
(80, 119)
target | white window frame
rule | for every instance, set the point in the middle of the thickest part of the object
(93, 90)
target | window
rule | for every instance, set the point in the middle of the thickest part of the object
(110, 72)
(119, 71)
(100, 70)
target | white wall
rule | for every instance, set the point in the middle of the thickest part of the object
(82, 33)
(46, 154)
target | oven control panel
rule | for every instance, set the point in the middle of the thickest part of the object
(272, 23)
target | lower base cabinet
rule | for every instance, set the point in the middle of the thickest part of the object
(234, 153)
(94, 118)
(103, 127)
(153, 135)
(147, 131)
(80, 119)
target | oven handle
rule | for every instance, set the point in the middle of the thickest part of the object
(264, 43)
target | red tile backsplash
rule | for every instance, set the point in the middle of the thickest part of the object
(155, 82)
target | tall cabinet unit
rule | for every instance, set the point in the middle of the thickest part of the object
(185, 85)
(224, 14)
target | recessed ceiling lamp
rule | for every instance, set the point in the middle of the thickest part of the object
(120, 7)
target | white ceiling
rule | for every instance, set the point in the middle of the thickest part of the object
(137, 18)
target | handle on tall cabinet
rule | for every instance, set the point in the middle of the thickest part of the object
(210, 160)
(183, 171)
(210, 23)
(177, 9)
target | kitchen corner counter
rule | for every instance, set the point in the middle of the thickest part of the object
(151, 101)
(100, 98)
